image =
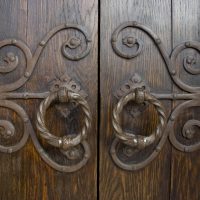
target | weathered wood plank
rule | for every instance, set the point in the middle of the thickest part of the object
(24, 175)
(185, 175)
(153, 181)
(13, 15)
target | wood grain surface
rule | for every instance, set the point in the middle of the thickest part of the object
(185, 167)
(24, 175)
(172, 174)
(152, 182)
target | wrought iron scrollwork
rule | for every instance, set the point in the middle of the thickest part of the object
(10, 62)
(7, 129)
(128, 41)
(122, 155)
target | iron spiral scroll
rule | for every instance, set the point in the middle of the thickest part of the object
(70, 144)
(191, 96)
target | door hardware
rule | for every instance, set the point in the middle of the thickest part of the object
(64, 90)
(68, 143)
(138, 96)
(122, 149)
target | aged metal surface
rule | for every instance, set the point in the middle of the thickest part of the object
(187, 131)
(67, 142)
(134, 82)
(32, 59)
(73, 93)
(138, 141)
(10, 62)
(188, 63)
(192, 98)
(129, 41)
(20, 111)
(169, 60)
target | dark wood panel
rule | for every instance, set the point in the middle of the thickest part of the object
(13, 15)
(152, 182)
(185, 175)
(24, 175)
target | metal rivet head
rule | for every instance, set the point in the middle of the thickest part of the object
(14, 41)
(187, 44)
(12, 58)
(10, 150)
(172, 118)
(114, 39)
(137, 79)
(135, 23)
(158, 149)
(42, 43)
(88, 40)
(188, 131)
(25, 95)
(27, 74)
(130, 40)
(135, 141)
(158, 41)
(65, 79)
(9, 132)
(173, 72)
(26, 120)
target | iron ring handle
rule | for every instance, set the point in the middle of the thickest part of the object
(138, 141)
(63, 95)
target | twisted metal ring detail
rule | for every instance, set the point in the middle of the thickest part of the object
(64, 96)
(139, 141)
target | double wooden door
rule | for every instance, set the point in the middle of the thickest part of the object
(99, 99)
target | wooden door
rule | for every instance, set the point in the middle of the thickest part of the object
(137, 40)
(48, 51)
(138, 76)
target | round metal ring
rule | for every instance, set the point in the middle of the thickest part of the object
(65, 142)
(138, 141)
